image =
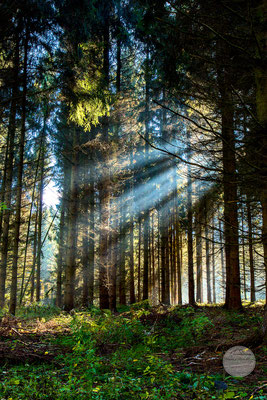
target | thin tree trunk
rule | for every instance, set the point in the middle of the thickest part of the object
(199, 257)
(163, 246)
(62, 245)
(91, 243)
(85, 230)
(34, 256)
(122, 272)
(261, 137)
(104, 185)
(71, 228)
(9, 175)
(153, 261)
(207, 257)
(167, 265)
(40, 219)
(191, 284)
(243, 254)
(41, 154)
(222, 258)
(264, 236)
(146, 213)
(113, 269)
(213, 264)
(233, 295)
(60, 253)
(158, 258)
(139, 258)
(132, 291)
(132, 259)
(251, 260)
(178, 257)
(14, 277)
(171, 264)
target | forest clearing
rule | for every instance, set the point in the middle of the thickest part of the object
(133, 199)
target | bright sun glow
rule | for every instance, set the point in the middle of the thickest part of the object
(51, 195)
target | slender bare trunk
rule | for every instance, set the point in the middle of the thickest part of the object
(207, 257)
(71, 229)
(213, 264)
(191, 283)
(9, 175)
(251, 258)
(199, 257)
(14, 277)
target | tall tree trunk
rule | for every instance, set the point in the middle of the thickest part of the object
(233, 295)
(225, 77)
(91, 260)
(62, 244)
(251, 260)
(207, 256)
(243, 255)
(71, 228)
(139, 258)
(146, 255)
(178, 257)
(104, 185)
(85, 231)
(213, 263)
(132, 290)
(199, 257)
(167, 265)
(40, 155)
(222, 258)
(60, 252)
(146, 213)
(153, 280)
(114, 262)
(191, 283)
(9, 174)
(264, 235)
(103, 243)
(122, 272)
(40, 220)
(163, 245)
(14, 277)
(34, 255)
(158, 257)
(259, 10)
(132, 287)
(174, 258)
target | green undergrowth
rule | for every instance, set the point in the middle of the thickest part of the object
(108, 357)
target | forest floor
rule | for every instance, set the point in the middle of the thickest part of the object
(142, 352)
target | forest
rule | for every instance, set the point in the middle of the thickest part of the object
(133, 199)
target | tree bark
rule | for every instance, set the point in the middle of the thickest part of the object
(178, 257)
(233, 296)
(199, 257)
(251, 258)
(213, 264)
(104, 185)
(72, 228)
(122, 271)
(60, 252)
(14, 277)
(40, 219)
(207, 257)
(191, 283)
(9, 174)
(139, 258)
